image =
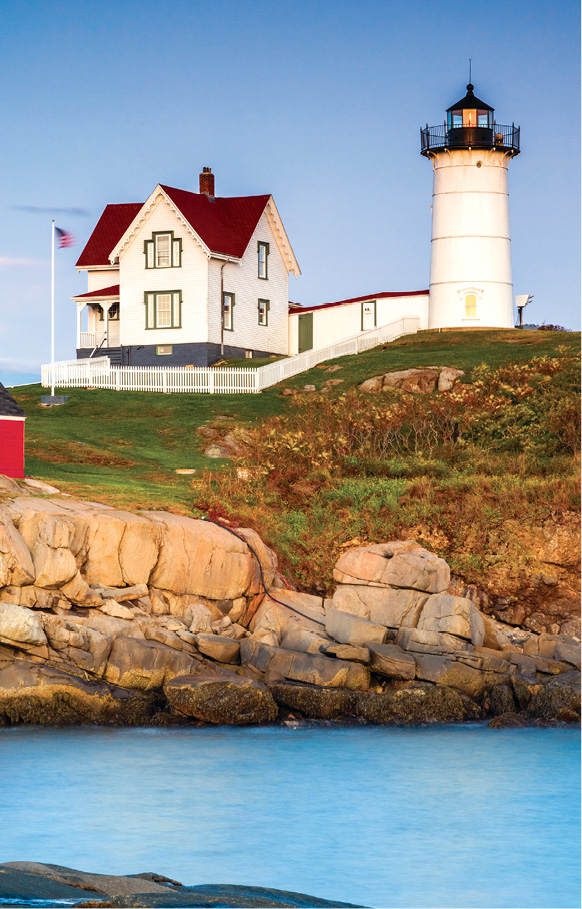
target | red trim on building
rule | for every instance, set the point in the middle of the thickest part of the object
(297, 309)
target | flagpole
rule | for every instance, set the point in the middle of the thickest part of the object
(52, 307)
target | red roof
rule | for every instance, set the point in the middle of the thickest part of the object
(112, 291)
(110, 227)
(225, 225)
(295, 308)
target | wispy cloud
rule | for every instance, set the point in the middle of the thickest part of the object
(14, 262)
(43, 210)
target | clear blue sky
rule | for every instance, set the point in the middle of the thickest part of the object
(317, 102)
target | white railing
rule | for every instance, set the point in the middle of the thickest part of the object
(97, 372)
(292, 366)
(91, 338)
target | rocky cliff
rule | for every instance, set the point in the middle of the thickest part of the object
(114, 617)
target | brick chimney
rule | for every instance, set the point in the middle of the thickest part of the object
(207, 181)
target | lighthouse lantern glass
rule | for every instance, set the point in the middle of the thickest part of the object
(469, 117)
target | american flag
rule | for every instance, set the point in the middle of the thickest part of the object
(65, 238)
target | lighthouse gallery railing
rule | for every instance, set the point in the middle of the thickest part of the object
(435, 138)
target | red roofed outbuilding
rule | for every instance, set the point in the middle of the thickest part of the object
(12, 419)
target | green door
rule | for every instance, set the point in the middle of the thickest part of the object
(305, 332)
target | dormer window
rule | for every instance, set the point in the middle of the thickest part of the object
(262, 255)
(163, 250)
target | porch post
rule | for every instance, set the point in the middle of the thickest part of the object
(80, 308)
(107, 307)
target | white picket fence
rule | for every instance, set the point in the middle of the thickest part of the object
(98, 372)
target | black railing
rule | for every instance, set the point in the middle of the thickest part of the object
(437, 138)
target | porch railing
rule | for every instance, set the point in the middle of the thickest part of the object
(98, 372)
(91, 339)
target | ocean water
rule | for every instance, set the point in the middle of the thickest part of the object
(430, 817)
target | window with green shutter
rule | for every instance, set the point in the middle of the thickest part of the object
(163, 250)
(163, 309)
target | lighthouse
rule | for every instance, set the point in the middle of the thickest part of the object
(470, 263)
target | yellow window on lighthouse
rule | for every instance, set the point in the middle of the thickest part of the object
(470, 306)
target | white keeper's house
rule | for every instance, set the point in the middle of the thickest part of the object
(185, 278)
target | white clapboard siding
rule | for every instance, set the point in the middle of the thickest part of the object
(97, 372)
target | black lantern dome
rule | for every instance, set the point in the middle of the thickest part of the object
(470, 123)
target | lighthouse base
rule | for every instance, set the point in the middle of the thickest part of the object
(464, 306)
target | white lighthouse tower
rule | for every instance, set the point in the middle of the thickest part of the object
(470, 266)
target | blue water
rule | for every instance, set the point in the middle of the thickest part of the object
(433, 817)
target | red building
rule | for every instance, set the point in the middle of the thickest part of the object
(11, 436)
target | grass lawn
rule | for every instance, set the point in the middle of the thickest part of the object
(124, 447)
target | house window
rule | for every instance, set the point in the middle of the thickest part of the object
(470, 306)
(263, 255)
(163, 250)
(163, 309)
(114, 312)
(227, 311)
(163, 350)
(263, 308)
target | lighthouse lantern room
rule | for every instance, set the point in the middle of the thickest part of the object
(470, 270)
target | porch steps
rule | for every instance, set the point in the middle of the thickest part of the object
(114, 354)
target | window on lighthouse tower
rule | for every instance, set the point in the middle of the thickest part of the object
(470, 306)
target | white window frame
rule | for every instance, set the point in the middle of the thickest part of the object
(263, 260)
(227, 311)
(264, 312)
(158, 238)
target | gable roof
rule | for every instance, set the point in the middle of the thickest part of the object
(109, 228)
(8, 406)
(225, 225)
(297, 308)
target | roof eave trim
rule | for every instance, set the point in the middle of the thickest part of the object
(281, 237)
(143, 214)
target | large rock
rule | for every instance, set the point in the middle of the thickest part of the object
(77, 642)
(420, 641)
(382, 605)
(398, 564)
(201, 558)
(272, 619)
(557, 699)
(144, 665)
(313, 702)
(33, 693)
(19, 625)
(455, 673)
(452, 615)
(228, 699)
(16, 565)
(416, 703)
(422, 380)
(391, 661)
(304, 667)
(349, 629)
(219, 648)
(33, 883)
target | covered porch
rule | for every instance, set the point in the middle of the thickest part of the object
(98, 330)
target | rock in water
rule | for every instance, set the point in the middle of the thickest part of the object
(33, 693)
(54, 885)
(229, 699)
